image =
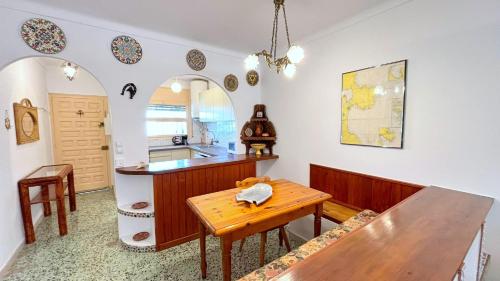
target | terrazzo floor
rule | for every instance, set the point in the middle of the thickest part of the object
(91, 251)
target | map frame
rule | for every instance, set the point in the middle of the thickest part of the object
(403, 114)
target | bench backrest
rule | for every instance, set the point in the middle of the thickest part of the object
(360, 191)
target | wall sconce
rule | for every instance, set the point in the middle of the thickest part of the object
(7, 120)
(70, 70)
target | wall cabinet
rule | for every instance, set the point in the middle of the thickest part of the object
(215, 106)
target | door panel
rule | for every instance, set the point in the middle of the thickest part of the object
(78, 138)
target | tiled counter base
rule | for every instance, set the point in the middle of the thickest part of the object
(144, 218)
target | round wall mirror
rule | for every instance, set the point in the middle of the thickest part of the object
(28, 124)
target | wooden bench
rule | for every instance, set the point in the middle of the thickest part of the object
(338, 213)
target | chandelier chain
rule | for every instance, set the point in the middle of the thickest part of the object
(294, 54)
(275, 31)
(286, 27)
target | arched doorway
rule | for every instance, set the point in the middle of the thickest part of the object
(191, 111)
(74, 120)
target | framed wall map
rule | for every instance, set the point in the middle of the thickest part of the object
(373, 102)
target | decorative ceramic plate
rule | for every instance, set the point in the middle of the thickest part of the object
(248, 132)
(252, 77)
(196, 60)
(231, 82)
(126, 49)
(43, 36)
(140, 236)
(140, 205)
(257, 194)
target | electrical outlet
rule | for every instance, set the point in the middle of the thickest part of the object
(119, 162)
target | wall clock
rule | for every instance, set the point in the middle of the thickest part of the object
(126, 49)
(43, 36)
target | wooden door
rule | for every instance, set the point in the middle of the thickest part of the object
(79, 139)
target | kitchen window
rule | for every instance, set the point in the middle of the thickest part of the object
(166, 120)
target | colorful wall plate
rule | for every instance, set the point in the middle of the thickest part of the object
(43, 36)
(126, 49)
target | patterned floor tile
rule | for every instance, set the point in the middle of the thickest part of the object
(91, 251)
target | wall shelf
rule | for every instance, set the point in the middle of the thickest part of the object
(259, 125)
(258, 138)
(127, 210)
(144, 246)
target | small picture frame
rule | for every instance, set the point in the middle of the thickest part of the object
(260, 114)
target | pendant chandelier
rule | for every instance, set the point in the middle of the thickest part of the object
(287, 63)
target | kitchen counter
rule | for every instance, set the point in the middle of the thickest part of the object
(212, 150)
(177, 180)
(166, 167)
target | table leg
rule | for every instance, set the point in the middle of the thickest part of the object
(61, 210)
(71, 191)
(262, 252)
(46, 205)
(29, 231)
(226, 246)
(203, 251)
(317, 219)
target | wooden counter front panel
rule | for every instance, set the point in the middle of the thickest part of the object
(175, 223)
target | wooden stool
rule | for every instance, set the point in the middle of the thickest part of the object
(283, 237)
(50, 179)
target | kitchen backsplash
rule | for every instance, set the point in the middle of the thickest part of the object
(225, 131)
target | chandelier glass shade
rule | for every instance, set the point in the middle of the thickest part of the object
(286, 63)
(69, 70)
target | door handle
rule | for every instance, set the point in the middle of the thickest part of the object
(105, 147)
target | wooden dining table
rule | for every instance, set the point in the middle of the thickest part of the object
(221, 215)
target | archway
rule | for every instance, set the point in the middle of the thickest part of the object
(193, 111)
(74, 120)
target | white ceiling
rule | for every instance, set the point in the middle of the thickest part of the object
(232, 24)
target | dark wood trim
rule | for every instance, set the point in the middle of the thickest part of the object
(369, 176)
(360, 191)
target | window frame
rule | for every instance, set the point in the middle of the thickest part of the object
(188, 120)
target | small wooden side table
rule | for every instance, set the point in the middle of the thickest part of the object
(51, 180)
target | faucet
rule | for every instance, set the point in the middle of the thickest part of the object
(213, 140)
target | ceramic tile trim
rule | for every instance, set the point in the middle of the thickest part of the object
(138, 249)
(136, 214)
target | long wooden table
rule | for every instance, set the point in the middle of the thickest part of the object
(222, 216)
(425, 237)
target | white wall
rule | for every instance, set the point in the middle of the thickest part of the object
(89, 46)
(83, 83)
(23, 79)
(453, 99)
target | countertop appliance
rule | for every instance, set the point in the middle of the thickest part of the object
(180, 140)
